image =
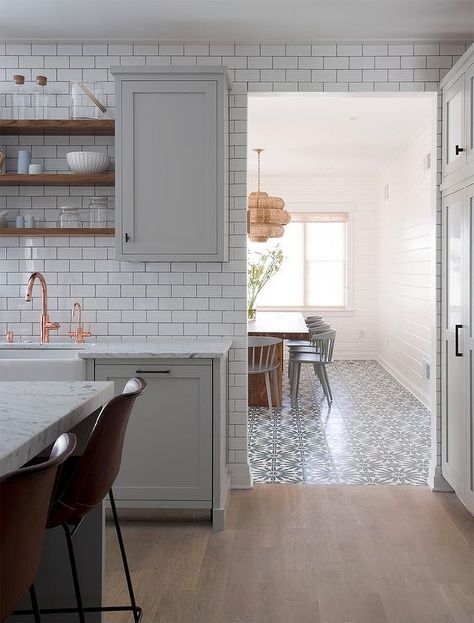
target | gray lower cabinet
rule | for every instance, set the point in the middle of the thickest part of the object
(167, 457)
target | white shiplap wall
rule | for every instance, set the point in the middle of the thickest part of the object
(357, 194)
(147, 300)
(405, 253)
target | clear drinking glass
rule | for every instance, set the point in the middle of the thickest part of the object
(69, 218)
(98, 212)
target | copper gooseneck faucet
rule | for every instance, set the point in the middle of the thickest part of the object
(79, 333)
(45, 324)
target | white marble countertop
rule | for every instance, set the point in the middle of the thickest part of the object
(34, 414)
(163, 348)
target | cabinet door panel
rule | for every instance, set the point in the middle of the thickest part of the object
(469, 104)
(453, 134)
(168, 447)
(169, 165)
(454, 433)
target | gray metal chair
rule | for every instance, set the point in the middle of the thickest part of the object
(306, 345)
(322, 354)
(263, 360)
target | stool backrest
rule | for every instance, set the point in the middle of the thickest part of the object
(262, 353)
(25, 498)
(324, 343)
(99, 465)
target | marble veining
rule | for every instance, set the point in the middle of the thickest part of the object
(205, 348)
(34, 414)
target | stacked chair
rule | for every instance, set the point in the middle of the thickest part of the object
(317, 351)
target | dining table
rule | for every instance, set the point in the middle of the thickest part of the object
(285, 325)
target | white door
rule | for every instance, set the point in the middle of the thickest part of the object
(454, 351)
(469, 495)
(454, 148)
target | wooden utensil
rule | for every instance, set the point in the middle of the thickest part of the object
(2, 161)
(91, 96)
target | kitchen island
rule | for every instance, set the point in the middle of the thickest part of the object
(32, 416)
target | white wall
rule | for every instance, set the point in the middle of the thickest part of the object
(85, 269)
(405, 295)
(356, 328)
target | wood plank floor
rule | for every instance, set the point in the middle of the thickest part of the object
(307, 554)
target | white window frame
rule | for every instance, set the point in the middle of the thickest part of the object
(311, 208)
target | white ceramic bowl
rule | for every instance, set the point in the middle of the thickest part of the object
(87, 161)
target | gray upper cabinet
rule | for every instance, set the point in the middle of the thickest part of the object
(172, 161)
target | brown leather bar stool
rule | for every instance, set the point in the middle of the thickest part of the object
(86, 482)
(25, 498)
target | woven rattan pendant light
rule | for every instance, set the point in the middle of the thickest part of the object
(266, 215)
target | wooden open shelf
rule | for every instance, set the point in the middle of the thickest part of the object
(59, 127)
(57, 179)
(56, 231)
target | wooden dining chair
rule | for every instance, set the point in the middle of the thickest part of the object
(263, 360)
(25, 498)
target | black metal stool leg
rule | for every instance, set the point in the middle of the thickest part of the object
(75, 577)
(34, 604)
(136, 610)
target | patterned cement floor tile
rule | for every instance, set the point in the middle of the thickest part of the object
(375, 432)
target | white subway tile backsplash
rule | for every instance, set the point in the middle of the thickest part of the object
(134, 301)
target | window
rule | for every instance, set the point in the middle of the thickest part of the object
(314, 270)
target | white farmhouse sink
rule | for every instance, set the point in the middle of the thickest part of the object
(44, 363)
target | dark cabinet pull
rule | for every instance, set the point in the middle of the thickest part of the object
(152, 371)
(456, 340)
(458, 150)
(127, 238)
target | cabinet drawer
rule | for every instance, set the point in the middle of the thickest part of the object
(168, 446)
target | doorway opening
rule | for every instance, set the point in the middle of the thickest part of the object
(357, 173)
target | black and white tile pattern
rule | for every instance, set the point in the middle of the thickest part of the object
(376, 432)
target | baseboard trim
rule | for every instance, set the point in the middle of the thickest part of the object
(241, 479)
(437, 482)
(355, 355)
(423, 398)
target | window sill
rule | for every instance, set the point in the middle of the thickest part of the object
(323, 311)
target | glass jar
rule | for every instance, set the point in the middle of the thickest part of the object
(41, 99)
(18, 100)
(98, 212)
(69, 218)
(87, 100)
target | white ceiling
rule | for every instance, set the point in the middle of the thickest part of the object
(236, 20)
(324, 134)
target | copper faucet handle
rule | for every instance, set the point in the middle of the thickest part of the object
(10, 336)
(79, 334)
